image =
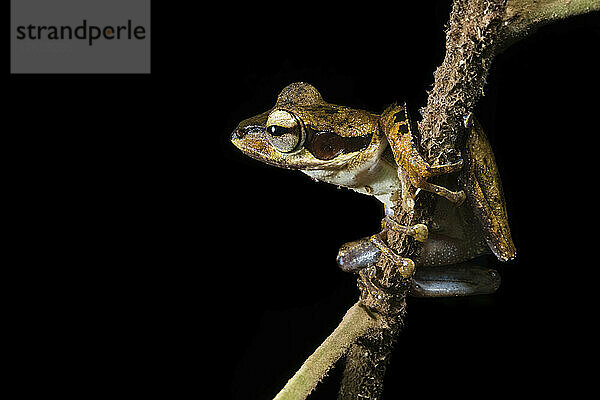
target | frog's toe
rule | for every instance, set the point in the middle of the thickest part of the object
(460, 197)
(406, 267)
(420, 232)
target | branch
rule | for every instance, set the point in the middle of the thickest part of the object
(478, 30)
(356, 323)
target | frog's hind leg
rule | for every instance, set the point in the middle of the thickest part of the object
(356, 255)
(405, 265)
(454, 280)
(465, 279)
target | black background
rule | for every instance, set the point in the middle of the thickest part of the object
(140, 229)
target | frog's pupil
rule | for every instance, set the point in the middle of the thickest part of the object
(276, 130)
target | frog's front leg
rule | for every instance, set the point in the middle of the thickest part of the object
(455, 197)
(413, 171)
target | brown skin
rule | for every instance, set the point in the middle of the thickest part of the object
(350, 135)
(349, 147)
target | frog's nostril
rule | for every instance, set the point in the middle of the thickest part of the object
(238, 133)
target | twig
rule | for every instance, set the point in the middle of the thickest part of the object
(356, 323)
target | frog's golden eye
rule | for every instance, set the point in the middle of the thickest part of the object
(284, 131)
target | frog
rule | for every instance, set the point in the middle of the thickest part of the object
(378, 154)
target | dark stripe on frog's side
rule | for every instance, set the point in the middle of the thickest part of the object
(326, 145)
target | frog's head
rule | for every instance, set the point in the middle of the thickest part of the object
(304, 132)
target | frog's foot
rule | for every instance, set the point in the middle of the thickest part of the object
(406, 266)
(418, 231)
(455, 197)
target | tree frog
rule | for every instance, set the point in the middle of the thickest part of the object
(378, 155)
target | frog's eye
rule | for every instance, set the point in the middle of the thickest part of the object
(284, 131)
